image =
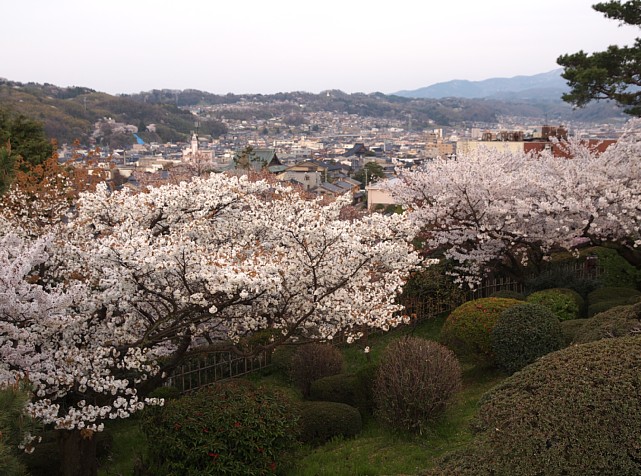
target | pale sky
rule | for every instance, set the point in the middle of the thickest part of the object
(268, 46)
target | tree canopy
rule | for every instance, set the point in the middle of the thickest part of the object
(20, 137)
(492, 209)
(613, 74)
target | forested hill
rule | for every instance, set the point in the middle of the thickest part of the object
(424, 111)
(72, 113)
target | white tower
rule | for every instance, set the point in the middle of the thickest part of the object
(194, 145)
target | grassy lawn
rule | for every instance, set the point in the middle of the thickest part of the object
(377, 450)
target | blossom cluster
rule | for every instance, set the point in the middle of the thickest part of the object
(510, 208)
(96, 313)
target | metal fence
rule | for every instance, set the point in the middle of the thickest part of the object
(214, 367)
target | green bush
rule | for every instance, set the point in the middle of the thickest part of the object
(352, 389)
(570, 328)
(340, 388)
(414, 383)
(616, 270)
(523, 334)
(574, 412)
(509, 294)
(565, 303)
(322, 421)
(616, 322)
(231, 428)
(366, 376)
(579, 411)
(606, 298)
(313, 361)
(602, 306)
(467, 329)
(612, 293)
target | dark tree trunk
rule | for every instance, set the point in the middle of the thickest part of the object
(78, 453)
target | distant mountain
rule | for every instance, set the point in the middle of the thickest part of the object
(547, 86)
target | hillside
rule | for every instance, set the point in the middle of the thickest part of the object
(68, 114)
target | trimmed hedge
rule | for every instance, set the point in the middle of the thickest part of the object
(573, 412)
(322, 421)
(415, 382)
(616, 322)
(565, 303)
(612, 293)
(523, 334)
(606, 298)
(570, 328)
(231, 428)
(352, 389)
(467, 329)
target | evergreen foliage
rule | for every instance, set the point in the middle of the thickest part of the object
(615, 322)
(467, 329)
(523, 334)
(322, 421)
(232, 428)
(574, 412)
(612, 74)
(353, 389)
(565, 303)
(12, 403)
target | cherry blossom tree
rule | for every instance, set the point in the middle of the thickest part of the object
(492, 209)
(97, 314)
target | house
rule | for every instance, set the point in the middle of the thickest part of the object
(259, 159)
(311, 173)
(359, 150)
(377, 194)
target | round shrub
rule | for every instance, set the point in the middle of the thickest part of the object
(573, 412)
(565, 303)
(322, 421)
(339, 388)
(352, 389)
(313, 361)
(506, 293)
(415, 381)
(467, 329)
(231, 428)
(616, 322)
(523, 334)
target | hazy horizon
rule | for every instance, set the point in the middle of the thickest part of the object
(257, 47)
